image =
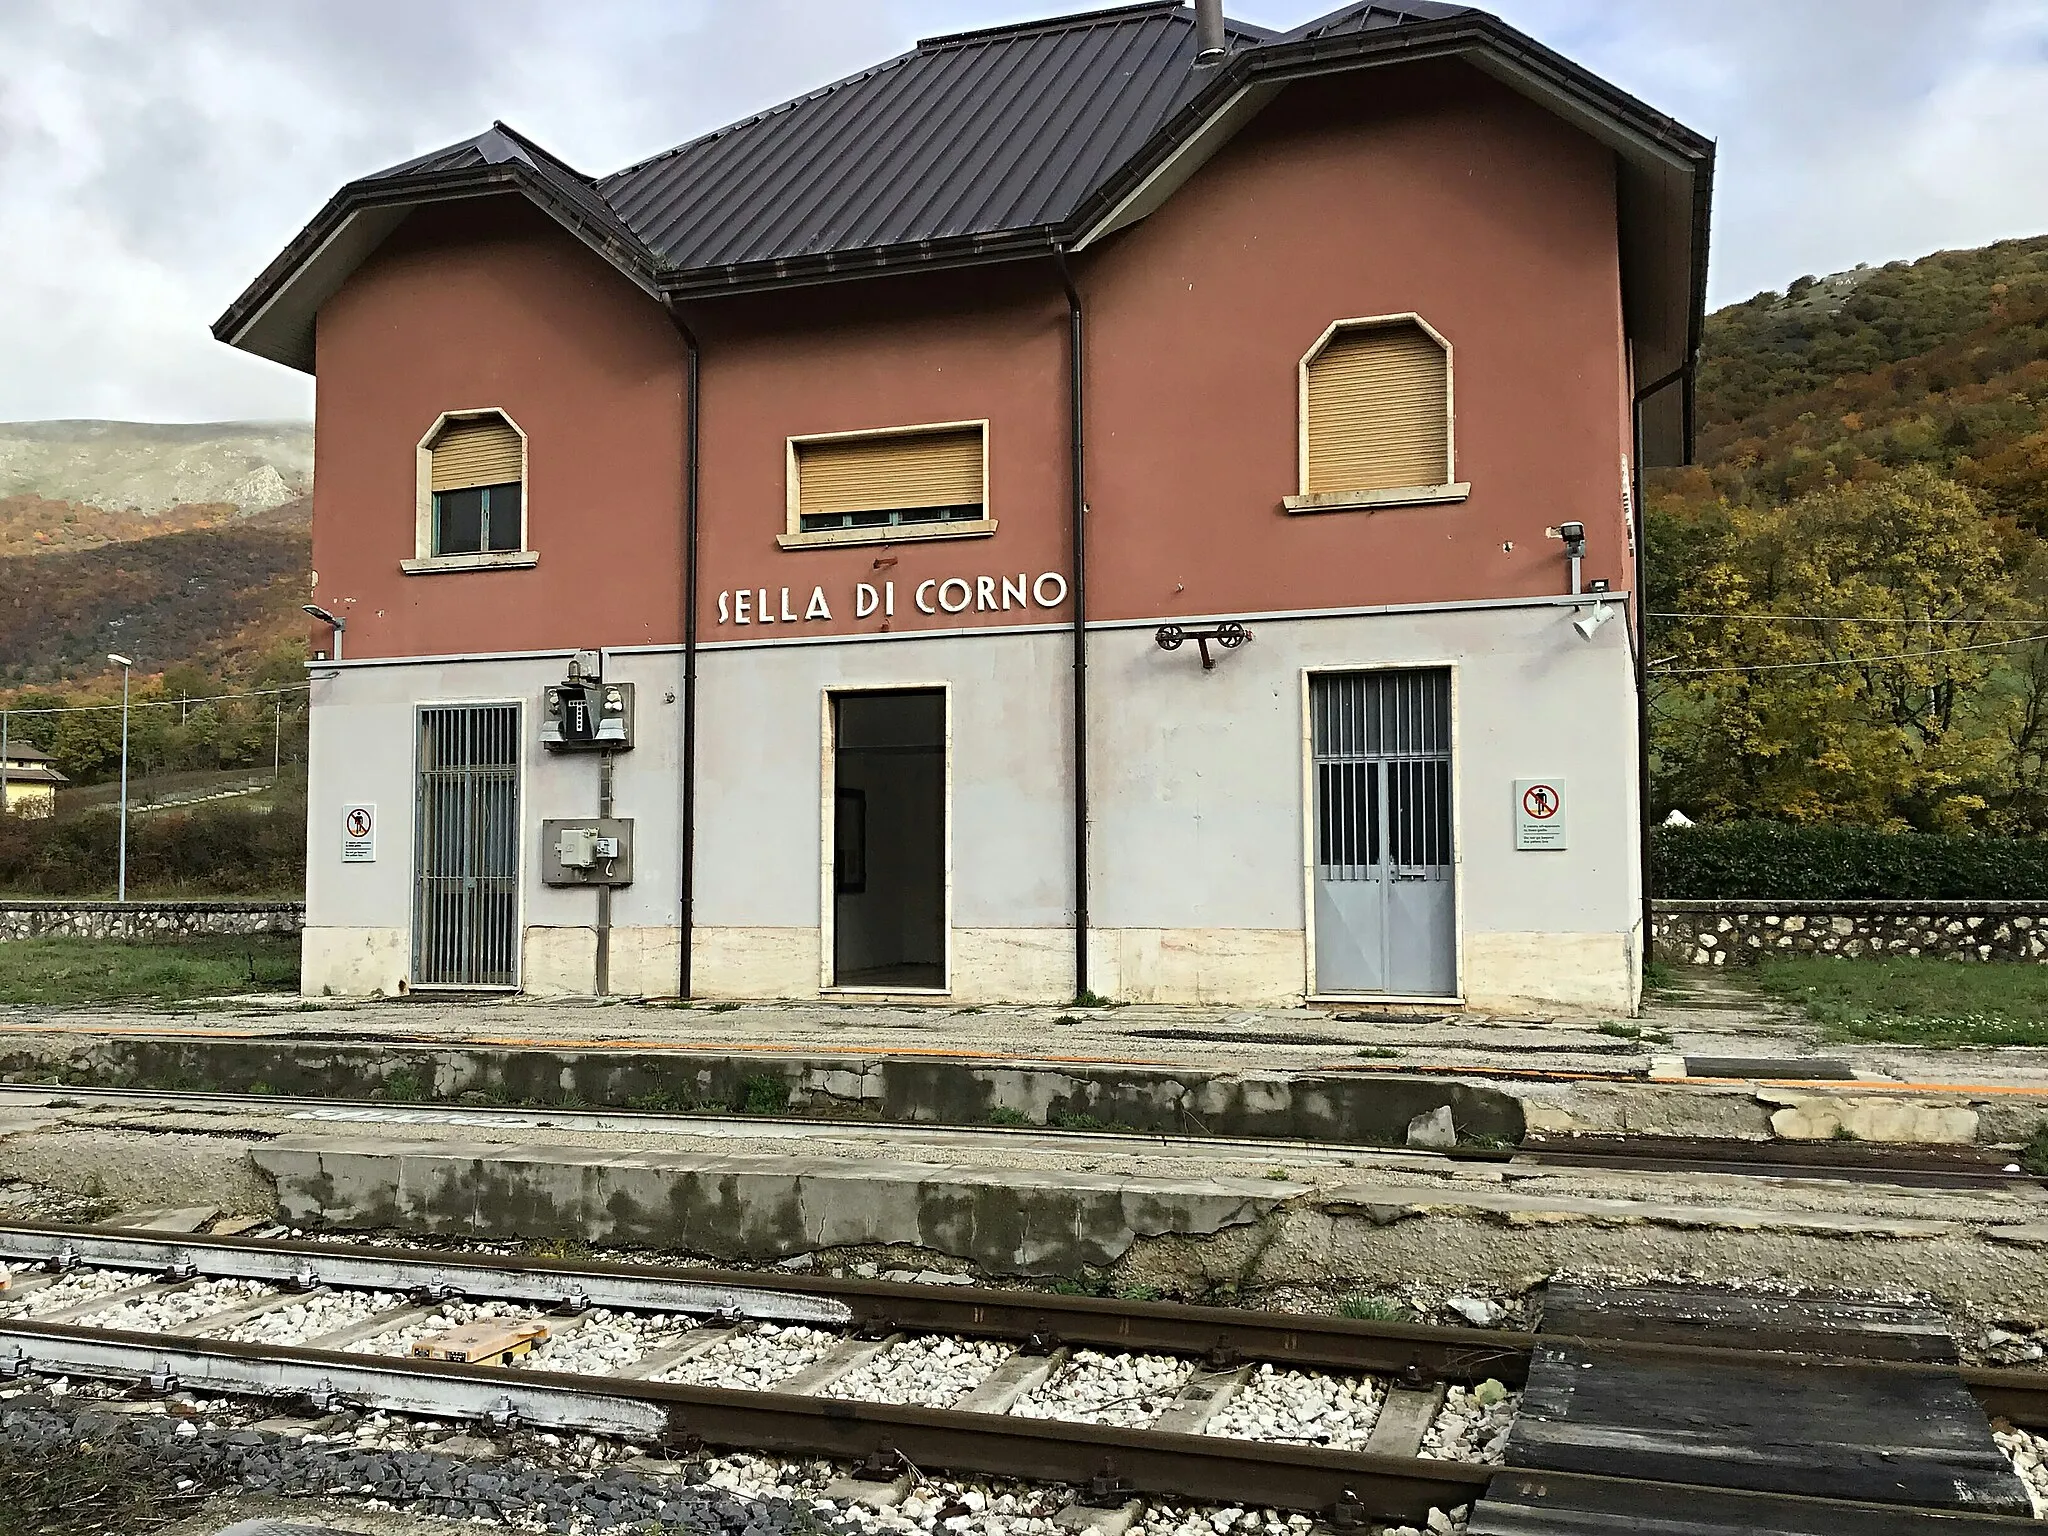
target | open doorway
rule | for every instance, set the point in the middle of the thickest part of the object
(889, 839)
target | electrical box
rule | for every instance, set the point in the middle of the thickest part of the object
(578, 716)
(594, 851)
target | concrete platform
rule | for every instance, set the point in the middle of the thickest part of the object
(1354, 1076)
(1185, 1216)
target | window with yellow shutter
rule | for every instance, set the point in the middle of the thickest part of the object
(478, 480)
(907, 482)
(1376, 417)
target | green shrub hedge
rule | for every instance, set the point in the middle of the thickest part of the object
(1765, 860)
(217, 850)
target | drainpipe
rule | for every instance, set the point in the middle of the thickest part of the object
(1642, 632)
(692, 413)
(1078, 494)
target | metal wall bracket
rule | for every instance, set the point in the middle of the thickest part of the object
(1172, 637)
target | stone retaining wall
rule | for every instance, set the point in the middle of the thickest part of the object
(146, 919)
(1740, 932)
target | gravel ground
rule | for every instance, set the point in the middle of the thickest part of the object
(308, 1317)
(932, 1372)
(1126, 1390)
(153, 1314)
(2029, 1456)
(79, 1286)
(753, 1359)
(605, 1341)
(1301, 1406)
(1468, 1428)
(538, 1486)
(400, 1340)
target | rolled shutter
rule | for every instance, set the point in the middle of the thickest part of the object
(483, 450)
(1378, 411)
(883, 474)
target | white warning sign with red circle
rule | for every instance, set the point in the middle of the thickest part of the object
(359, 834)
(1539, 814)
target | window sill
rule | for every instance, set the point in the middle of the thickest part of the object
(1402, 496)
(901, 533)
(496, 560)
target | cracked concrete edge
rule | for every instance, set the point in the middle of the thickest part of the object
(1744, 1111)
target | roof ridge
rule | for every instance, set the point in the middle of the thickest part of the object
(605, 182)
(534, 148)
(1112, 14)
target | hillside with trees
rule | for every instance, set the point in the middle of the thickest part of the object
(1849, 593)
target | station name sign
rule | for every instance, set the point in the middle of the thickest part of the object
(878, 600)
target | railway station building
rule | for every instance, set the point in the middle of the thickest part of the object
(1130, 505)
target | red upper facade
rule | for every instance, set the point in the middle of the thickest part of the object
(1516, 232)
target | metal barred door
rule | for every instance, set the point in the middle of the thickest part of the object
(466, 922)
(1384, 914)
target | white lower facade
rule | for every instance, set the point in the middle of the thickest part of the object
(1207, 832)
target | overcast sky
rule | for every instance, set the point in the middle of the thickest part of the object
(155, 154)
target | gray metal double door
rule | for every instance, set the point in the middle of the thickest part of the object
(1385, 896)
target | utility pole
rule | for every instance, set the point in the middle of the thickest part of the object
(127, 668)
(276, 735)
(3, 762)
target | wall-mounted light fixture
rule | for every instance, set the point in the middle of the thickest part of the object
(1230, 636)
(333, 623)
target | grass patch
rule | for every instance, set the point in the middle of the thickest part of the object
(1659, 976)
(1913, 1000)
(2034, 1155)
(763, 1095)
(1372, 1309)
(56, 972)
(1621, 1031)
(665, 1101)
(1002, 1114)
(404, 1086)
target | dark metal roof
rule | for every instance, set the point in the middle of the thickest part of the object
(1000, 143)
(1371, 18)
(977, 133)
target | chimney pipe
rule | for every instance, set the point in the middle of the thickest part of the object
(1210, 48)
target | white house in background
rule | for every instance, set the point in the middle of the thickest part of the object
(28, 781)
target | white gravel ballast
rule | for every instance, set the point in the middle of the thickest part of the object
(603, 1341)
(308, 1317)
(75, 1289)
(1301, 1408)
(1128, 1391)
(1470, 1428)
(753, 1359)
(2029, 1456)
(934, 1372)
(174, 1309)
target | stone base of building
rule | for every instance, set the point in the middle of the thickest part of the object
(1575, 973)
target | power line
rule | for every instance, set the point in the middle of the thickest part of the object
(1848, 661)
(77, 709)
(1837, 618)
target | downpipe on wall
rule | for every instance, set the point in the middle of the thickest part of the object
(1078, 494)
(686, 894)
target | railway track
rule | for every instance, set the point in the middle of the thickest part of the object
(1119, 1399)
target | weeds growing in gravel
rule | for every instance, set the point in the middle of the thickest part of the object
(763, 1095)
(2034, 1155)
(1002, 1114)
(88, 1490)
(1372, 1309)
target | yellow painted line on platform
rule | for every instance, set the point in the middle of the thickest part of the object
(836, 1048)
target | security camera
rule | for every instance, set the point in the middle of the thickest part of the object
(1591, 619)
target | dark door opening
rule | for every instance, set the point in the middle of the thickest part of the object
(889, 839)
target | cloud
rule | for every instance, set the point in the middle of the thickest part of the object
(154, 154)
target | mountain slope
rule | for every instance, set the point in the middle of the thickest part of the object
(217, 597)
(152, 467)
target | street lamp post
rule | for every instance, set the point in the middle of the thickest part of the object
(127, 668)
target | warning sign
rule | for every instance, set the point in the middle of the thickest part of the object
(1539, 814)
(359, 834)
